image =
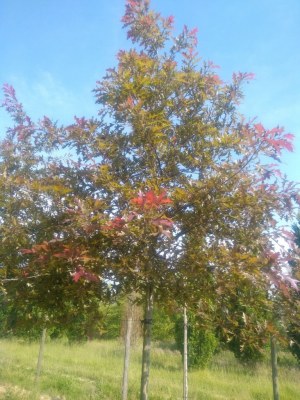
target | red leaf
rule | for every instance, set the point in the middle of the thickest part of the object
(139, 201)
(164, 222)
(151, 200)
(259, 128)
(194, 31)
(130, 217)
(27, 251)
(289, 146)
(166, 233)
(76, 276)
(170, 20)
(211, 65)
(249, 75)
(240, 76)
(289, 136)
(82, 273)
(293, 282)
(60, 255)
(130, 102)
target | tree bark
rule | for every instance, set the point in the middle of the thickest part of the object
(127, 350)
(274, 368)
(185, 355)
(146, 343)
(40, 357)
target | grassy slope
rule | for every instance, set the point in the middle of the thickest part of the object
(94, 371)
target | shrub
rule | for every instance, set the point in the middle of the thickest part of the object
(294, 335)
(246, 352)
(163, 327)
(202, 342)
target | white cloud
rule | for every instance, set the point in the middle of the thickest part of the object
(51, 92)
(46, 95)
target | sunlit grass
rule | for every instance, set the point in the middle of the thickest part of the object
(94, 371)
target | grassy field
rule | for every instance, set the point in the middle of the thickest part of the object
(94, 371)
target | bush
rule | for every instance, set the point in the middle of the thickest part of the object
(202, 342)
(294, 335)
(115, 317)
(248, 337)
(112, 318)
(163, 327)
(246, 352)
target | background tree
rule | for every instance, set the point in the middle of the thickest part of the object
(202, 340)
(28, 215)
(294, 328)
(34, 213)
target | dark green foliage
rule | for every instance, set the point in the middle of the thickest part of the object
(246, 352)
(163, 327)
(84, 326)
(4, 311)
(202, 347)
(296, 230)
(294, 335)
(202, 342)
(112, 319)
(243, 326)
(294, 328)
(72, 318)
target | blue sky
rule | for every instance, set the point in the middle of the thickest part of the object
(53, 51)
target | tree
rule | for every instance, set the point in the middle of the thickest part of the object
(202, 340)
(33, 215)
(166, 122)
(176, 200)
(294, 327)
(243, 321)
(28, 215)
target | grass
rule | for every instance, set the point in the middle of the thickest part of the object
(94, 371)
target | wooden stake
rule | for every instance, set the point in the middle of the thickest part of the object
(40, 357)
(185, 355)
(274, 368)
(127, 350)
(146, 344)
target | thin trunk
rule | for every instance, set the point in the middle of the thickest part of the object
(146, 344)
(127, 350)
(274, 368)
(185, 355)
(40, 357)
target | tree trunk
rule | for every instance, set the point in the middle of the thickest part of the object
(40, 357)
(274, 368)
(146, 343)
(137, 312)
(127, 349)
(185, 355)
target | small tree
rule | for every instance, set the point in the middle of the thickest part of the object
(294, 327)
(202, 341)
